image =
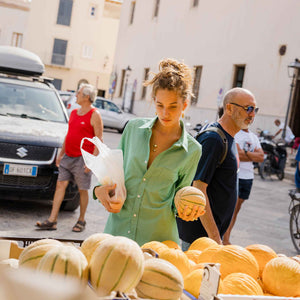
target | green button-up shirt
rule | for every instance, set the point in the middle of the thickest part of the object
(148, 213)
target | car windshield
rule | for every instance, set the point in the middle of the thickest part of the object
(32, 103)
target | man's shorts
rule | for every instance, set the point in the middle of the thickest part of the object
(245, 186)
(72, 169)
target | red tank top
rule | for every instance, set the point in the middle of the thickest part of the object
(79, 128)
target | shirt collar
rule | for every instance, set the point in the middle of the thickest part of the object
(182, 142)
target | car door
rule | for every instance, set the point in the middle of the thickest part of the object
(112, 115)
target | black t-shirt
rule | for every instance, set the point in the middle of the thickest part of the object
(221, 180)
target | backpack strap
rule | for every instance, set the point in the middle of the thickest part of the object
(223, 137)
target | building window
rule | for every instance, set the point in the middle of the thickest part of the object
(87, 51)
(195, 3)
(132, 8)
(57, 83)
(144, 90)
(156, 8)
(17, 39)
(59, 52)
(64, 12)
(238, 76)
(196, 84)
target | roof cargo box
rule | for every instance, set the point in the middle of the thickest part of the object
(14, 60)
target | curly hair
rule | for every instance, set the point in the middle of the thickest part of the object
(173, 76)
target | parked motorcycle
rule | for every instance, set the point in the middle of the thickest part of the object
(275, 157)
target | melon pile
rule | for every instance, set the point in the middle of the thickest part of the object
(254, 270)
(118, 264)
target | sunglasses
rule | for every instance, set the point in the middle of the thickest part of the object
(248, 109)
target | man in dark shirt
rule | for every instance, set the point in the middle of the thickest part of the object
(219, 182)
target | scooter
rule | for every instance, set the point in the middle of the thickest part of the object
(275, 157)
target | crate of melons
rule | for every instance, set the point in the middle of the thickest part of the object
(110, 267)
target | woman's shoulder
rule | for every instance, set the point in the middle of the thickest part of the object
(193, 144)
(137, 122)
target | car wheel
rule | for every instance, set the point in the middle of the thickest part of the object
(71, 205)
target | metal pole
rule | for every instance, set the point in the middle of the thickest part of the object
(124, 95)
(288, 108)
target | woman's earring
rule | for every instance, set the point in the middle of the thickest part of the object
(182, 115)
(156, 113)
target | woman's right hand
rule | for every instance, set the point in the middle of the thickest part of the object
(106, 195)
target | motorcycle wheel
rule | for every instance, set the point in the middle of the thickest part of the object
(280, 175)
(265, 170)
(295, 227)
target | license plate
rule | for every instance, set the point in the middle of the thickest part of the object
(20, 170)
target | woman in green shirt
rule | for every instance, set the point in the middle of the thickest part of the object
(160, 158)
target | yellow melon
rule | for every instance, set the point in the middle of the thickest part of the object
(32, 254)
(65, 260)
(192, 282)
(155, 246)
(161, 280)
(116, 265)
(262, 254)
(189, 196)
(193, 255)
(241, 284)
(281, 277)
(90, 244)
(177, 258)
(171, 244)
(207, 254)
(202, 243)
(236, 259)
(197, 266)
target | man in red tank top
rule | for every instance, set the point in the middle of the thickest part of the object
(84, 122)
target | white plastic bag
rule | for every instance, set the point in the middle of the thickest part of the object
(107, 166)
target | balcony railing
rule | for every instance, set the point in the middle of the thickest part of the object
(59, 60)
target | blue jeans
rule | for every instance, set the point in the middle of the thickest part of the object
(185, 245)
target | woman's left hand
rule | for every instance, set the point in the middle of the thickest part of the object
(187, 215)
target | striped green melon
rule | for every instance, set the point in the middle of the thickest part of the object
(91, 243)
(65, 260)
(161, 280)
(189, 196)
(116, 265)
(32, 254)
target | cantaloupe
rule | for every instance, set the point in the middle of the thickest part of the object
(177, 258)
(161, 280)
(65, 260)
(116, 265)
(262, 254)
(90, 244)
(241, 284)
(190, 196)
(32, 254)
(281, 277)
